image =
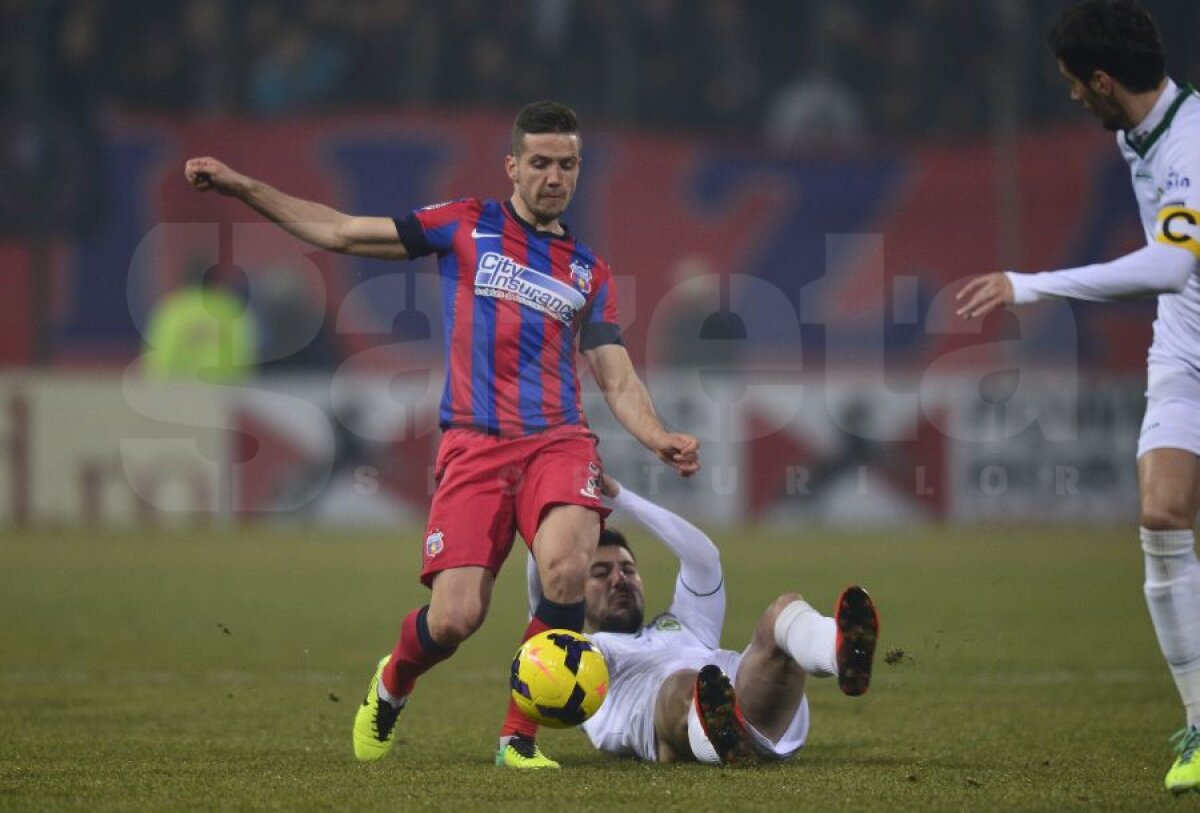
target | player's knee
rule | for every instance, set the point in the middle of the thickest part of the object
(1165, 515)
(452, 628)
(563, 576)
(765, 630)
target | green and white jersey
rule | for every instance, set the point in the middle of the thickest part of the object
(1163, 154)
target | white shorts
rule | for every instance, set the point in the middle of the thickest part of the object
(625, 723)
(792, 740)
(1172, 418)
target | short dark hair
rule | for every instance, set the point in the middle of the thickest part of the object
(613, 538)
(542, 117)
(1118, 37)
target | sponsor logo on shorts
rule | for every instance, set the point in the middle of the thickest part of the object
(592, 487)
(1151, 426)
(502, 277)
(434, 544)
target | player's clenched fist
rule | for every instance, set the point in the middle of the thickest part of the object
(680, 451)
(982, 295)
(209, 173)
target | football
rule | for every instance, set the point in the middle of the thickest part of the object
(559, 678)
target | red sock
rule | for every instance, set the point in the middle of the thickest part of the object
(514, 721)
(415, 654)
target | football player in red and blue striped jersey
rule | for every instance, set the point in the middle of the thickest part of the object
(519, 294)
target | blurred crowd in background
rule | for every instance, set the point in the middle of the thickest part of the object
(940, 125)
(797, 72)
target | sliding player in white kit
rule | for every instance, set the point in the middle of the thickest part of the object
(1110, 53)
(673, 694)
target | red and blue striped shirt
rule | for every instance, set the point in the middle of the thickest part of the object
(513, 300)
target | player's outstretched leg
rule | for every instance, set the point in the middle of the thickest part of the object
(1185, 773)
(719, 719)
(857, 632)
(375, 722)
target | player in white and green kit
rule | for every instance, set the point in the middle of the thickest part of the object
(674, 694)
(1110, 53)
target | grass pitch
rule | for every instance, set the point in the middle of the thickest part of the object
(221, 670)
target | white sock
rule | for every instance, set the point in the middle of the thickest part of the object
(809, 637)
(1173, 595)
(387, 697)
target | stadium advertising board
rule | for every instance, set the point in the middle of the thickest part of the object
(358, 451)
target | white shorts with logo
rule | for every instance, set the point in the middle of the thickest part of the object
(1172, 418)
(625, 723)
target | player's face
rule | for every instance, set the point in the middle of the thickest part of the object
(1096, 98)
(544, 175)
(613, 591)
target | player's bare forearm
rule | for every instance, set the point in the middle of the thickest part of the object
(314, 223)
(631, 405)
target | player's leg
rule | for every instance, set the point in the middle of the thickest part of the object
(469, 534)
(563, 547)
(428, 636)
(696, 718)
(1169, 485)
(671, 716)
(559, 512)
(457, 606)
(791, 641)
(770, 678)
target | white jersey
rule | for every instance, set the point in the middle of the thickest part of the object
(684, 637)
(1163, 154)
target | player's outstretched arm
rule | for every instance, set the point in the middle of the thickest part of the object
(630, 403)
(699, 599)
(699, 558)
(1155, 269)
(314, 223)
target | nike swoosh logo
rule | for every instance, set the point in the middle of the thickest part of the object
(476, 233)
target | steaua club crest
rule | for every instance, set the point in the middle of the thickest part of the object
(434, 543)
(581, 276)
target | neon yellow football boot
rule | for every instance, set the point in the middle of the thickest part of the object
(375, 722)
(1185, 773)
(522, 752)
